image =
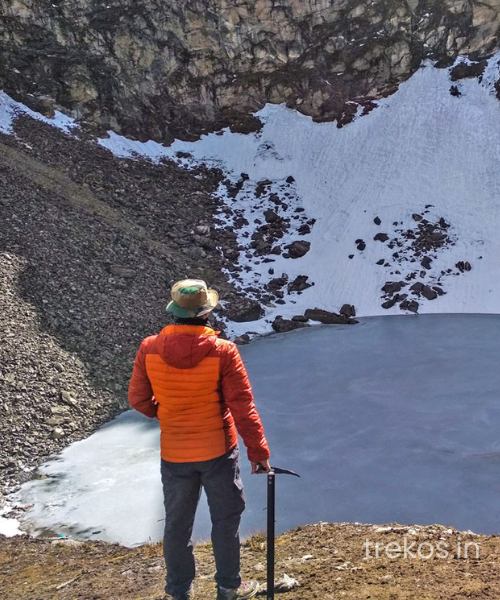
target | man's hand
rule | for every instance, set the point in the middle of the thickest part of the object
(260, 467)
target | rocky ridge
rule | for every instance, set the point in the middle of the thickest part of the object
(161, 70)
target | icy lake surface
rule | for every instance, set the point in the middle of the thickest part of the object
(394, 419)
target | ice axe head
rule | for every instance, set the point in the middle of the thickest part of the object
(277, 471)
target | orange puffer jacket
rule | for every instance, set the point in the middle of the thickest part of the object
(197, 386)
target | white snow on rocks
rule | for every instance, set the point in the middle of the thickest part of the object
(422, 146)
(10, 110)
(421, 149)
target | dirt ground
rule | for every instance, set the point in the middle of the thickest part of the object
(329, 561)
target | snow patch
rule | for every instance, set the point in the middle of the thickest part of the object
(491, 74)
(10, 110)
(9, 527)
(123, 147)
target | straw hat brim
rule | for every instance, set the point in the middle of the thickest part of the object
(185, 313)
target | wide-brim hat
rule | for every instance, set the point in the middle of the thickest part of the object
(192, 298)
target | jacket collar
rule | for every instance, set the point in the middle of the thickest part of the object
(188, 330)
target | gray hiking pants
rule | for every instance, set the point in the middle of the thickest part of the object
(182, 482)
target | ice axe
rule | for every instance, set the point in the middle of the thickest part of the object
(271, 505)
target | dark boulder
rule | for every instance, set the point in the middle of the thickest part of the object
(299, 284)
(271, 216)
(463, 265)
(464, 70)
(262, 187)
(277, 282)
(392, 287)
(281, 325)
(417, 287)
(390, 303)
(348, 310)
(428, 292)
(426, 262)
(304, 229)
(298, 248)
(326, 317)
(245, 309)
(410, 305)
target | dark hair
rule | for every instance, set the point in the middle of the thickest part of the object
(191, 320)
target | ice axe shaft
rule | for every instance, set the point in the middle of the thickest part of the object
(271, 510)
(271, 506)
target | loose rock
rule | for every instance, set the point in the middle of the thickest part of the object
(298, 248)
(348, 310)
(326, 317)
(281, 325)
(299, 284)
(463, 266)
(245, 310)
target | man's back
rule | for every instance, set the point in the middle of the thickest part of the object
(200, 387)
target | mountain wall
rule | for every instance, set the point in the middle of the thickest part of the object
(156, 69)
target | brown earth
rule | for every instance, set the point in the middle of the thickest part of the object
(328, 560)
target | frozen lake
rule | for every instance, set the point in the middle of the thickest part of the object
(394, 419)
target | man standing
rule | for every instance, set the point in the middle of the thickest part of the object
(197, 386)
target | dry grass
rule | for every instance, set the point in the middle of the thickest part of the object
(329, 561)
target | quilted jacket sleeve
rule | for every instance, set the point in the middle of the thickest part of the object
(140, 392)
(238, 397)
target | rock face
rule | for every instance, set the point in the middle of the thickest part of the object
(161, 69)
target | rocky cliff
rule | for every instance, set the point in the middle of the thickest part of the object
(156, 69)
